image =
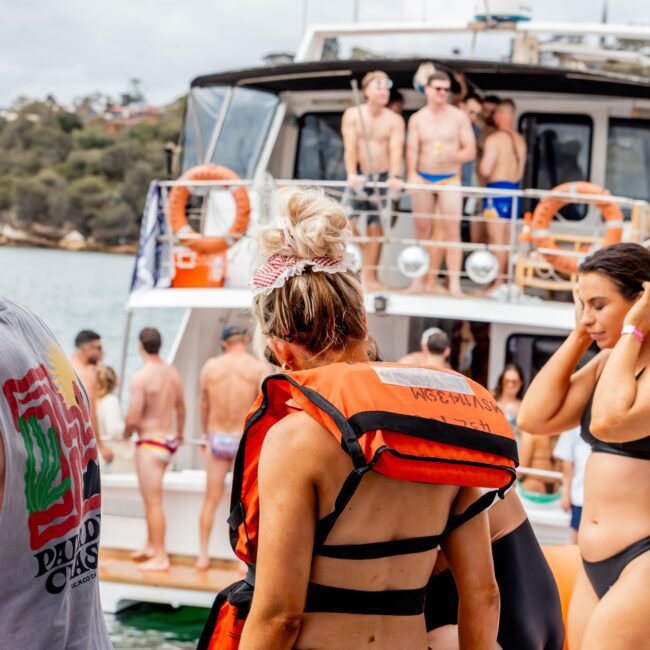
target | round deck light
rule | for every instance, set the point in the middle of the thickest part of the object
(355, 251)
(482, 267)
(413, 262)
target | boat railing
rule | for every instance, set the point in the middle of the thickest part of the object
(529, 266)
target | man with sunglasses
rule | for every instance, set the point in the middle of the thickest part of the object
(87, 356)
(440, 140)
(373, 141)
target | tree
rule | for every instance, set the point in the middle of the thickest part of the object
(116, 224)
(30, 200)
(70, 121)
(88, 197)
(135, 186)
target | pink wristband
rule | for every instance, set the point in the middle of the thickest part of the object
(631, 329)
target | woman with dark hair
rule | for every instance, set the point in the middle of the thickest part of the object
(509, 392)
(610, 399)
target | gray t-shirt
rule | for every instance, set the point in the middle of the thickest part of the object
(50, 513)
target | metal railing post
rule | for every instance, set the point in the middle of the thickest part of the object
(514, 215)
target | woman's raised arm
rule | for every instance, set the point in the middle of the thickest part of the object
(621, 408)
(557, 397)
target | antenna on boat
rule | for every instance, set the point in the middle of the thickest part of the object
(604, 20)
(488, 15)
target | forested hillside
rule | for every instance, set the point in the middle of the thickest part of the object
(62, 171)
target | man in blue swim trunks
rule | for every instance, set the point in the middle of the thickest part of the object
(440, 140)
(502, 166)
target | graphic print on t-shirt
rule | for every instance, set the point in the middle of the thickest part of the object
(61, 480)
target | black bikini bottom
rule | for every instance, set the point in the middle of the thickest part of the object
(531, 613)
(605, 573)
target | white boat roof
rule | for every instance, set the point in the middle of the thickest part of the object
(542, 314)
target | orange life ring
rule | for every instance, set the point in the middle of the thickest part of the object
(178, 201)
(547, 208)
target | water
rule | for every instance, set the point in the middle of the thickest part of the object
(72, 291)
(156, 627)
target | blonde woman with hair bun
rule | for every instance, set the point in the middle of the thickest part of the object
(309, 310)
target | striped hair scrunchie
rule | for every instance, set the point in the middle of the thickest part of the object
(278, 268)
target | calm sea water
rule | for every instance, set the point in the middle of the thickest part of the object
(71, 291)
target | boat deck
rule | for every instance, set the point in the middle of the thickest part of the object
(122, 582)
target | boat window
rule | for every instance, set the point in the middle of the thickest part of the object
(244, 130)
(628, 158)
(320, 148)
(559, 151)
(531, 351)
(241, 135)
(201, 115)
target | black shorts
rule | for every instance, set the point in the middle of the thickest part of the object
(367, 201)
(531, 612)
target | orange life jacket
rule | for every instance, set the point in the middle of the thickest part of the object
(411, 423)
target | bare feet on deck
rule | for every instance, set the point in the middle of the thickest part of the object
(156, 563)
(436, 290)
(373, 287)
(202, 563)
(145, 553)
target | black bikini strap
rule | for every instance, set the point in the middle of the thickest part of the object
(374, 550)
(396, 602)
(325, 525)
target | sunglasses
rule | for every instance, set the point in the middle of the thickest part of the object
(271, 358)
(382, 83)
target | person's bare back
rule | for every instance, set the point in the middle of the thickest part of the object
(158, 389)
(229, 385)
(509, 149)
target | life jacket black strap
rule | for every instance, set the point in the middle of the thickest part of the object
(394, 602)
(482, 503)
(374, 550)
(325, 525)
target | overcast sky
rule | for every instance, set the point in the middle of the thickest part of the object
(74, 47)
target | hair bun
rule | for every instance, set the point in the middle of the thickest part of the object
(310, 225)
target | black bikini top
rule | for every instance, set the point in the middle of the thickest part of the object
(632, 449)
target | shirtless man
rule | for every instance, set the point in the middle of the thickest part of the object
(157, 413)
(435, 350)
(373, 141)
(440, 140)
(87, 356)
(502, 166)
(229, 385)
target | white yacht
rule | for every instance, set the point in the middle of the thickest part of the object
(279, 125)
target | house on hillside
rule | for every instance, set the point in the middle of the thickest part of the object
(119, 117)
